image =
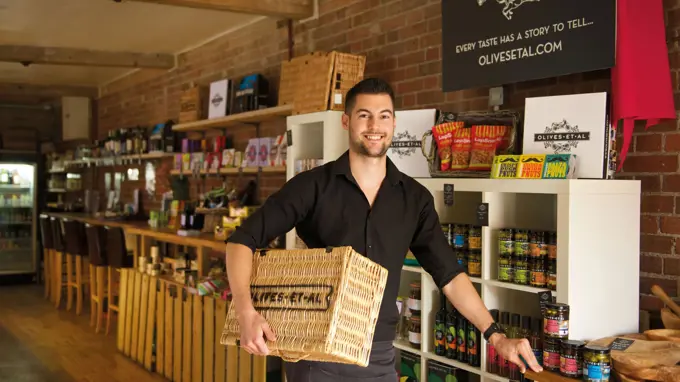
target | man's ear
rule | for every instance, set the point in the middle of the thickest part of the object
(345, 122)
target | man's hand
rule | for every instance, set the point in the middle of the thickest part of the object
(254, 329)
(512, 349)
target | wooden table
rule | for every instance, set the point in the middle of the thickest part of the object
(142, 235)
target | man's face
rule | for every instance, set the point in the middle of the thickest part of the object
(370, 125)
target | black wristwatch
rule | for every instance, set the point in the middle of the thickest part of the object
(494, 328)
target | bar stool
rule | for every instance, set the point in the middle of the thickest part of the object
(58, 282)
(76, 254)
(118, 257)
(48, 249)
(98, 267)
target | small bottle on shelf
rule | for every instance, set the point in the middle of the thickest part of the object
(502, 362)
(461, 338)
(451, 334)
(535, 339)
(514, 331)
(473, 345)
(491, 355)
(440, 327)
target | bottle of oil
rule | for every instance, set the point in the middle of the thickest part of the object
(451, 334)
(491, 355)
(473, 345)
(503, 370)
(461, 339)
(440, 328)
(514, 332)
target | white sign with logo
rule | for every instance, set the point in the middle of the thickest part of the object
(220, 99)
(405, 150)
(570, 124)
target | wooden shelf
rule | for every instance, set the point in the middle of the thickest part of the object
(249, 117)
(108, 161)
(234, 171)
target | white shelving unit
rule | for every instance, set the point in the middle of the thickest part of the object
(598, 241)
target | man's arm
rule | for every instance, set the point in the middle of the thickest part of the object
(279, 214)
(434, 253)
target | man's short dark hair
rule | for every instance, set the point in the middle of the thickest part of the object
(367, 86)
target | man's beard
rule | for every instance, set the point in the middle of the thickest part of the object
(360, 148)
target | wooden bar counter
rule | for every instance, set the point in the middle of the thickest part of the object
(167, 330)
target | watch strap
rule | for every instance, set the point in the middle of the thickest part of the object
(494, 328)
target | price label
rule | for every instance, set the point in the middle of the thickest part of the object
(483, 214)
(448, 195)
(621, 344)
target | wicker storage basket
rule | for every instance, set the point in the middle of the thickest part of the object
(319, 81)
(322, 304)
(503, 117)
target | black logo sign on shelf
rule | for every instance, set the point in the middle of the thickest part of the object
(448, 195)
(497, 42)
(621, 344)
(483, 214)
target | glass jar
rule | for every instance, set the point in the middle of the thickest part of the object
(521, 270)
(475, 238)
(506, 245)
(551, 244)
(474, 264)
(505, 269)
(414, 299)
(571, 358)
(414, 336)
(537, 244)
(552, 274)
(446, 228)
(537, 273)
(597, 363)
(461, 257)
(556, 321)
(521, 242)
(551, 354)
(460, 236)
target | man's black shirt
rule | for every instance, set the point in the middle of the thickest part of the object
(327, 208)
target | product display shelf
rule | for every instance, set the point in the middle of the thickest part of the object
(111, 161)
(234, 171)
(591, 243)
(313, 136)
(250, 117)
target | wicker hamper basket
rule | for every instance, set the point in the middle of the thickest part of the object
(502, 117)
(322, 304)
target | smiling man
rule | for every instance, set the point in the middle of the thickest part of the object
(360, 200)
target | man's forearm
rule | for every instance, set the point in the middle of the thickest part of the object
(239, 263)
(466, 300)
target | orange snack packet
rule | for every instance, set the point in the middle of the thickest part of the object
(443, 136)
(462, 142)
(485, 140)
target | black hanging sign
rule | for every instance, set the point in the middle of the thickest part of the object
(448, 194)
(497, 42)
(483, 214)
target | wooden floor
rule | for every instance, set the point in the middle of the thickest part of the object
(39, 343)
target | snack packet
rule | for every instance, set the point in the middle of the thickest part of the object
(462, 141)
(443, 136)
(485, 140)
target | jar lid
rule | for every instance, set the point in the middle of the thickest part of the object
(415, 284)
(571, 344)
(557, 306)
(415, 318)
(597, 349)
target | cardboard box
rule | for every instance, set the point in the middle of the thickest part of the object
(405, 151)
(531, 166)
(559, 166)
(220, 99)
(571, 124)
(505, 167)
(409, 367)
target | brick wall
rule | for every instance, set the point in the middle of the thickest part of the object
(402, 42)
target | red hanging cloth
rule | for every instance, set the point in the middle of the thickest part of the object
(641, 81)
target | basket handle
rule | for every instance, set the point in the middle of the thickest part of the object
(423, 144)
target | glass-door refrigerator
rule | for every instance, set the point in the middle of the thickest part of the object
(18, 226)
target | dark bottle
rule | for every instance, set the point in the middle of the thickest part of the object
(502, 362)
(525, 332)
(440, 328)
(461, 338)
(184, 217)
(451, 334)
(514, 332)
(491, 355)
(535, 339)
(473, 345)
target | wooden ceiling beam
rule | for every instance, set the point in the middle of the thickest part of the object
(47, 91)
(290, 9)
(27, 54)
